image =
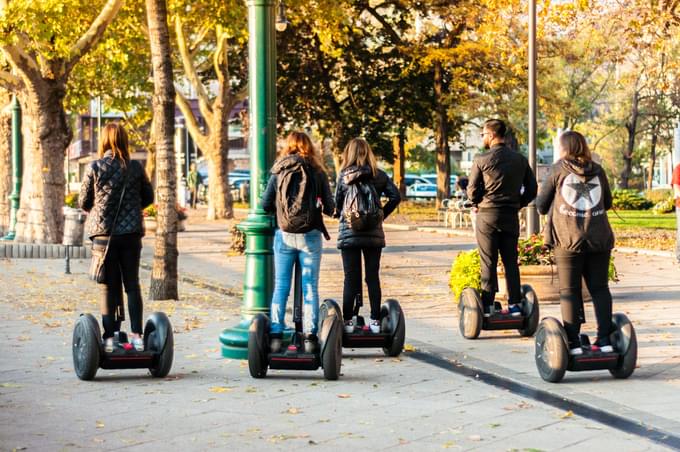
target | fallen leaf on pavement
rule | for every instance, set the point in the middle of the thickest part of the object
(293, 410)
(409, 348)
(344, 396)
(220, 389)
(99, 424)
(567, 414)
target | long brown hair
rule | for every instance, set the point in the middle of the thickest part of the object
(115, 139)
(575, 148)
(358, 152)
(299, 143)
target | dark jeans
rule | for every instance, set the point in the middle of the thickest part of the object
(122, 269)
(351, 263)
(497, 231)
(572, 268)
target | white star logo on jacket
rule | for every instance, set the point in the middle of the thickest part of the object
(579, 194)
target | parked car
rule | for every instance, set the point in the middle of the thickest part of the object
(432, 178)
(410, 179)
(421, 190)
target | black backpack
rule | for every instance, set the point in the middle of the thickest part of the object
(297, 199)
(361, 207)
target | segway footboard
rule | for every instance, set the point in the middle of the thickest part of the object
(122, 359)
(291, 359)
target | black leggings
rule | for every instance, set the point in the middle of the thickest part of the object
(351, 263)
(122, 269)
(572, 267)
(498, 231)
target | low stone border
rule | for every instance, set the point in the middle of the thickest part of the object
(42, 251)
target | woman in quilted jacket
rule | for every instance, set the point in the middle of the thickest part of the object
(114, 192)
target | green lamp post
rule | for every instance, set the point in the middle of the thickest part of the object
(16, 170)
(259, 226)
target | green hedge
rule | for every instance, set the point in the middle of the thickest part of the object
(465, 272)
(657, 195)
(630, 200)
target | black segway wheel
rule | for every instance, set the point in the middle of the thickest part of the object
(552, 356)
(158, 338)
(530, 311)
(330, 339)
(258, 346)
(470, 313)
(87, 349)
(625, 343)
(394, 323)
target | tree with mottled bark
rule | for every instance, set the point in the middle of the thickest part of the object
(213, 140)
(5, 158)
(164, 271)
(40, 44)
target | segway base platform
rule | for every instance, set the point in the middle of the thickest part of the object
(500, 321)
(364, 338)
(472, 319)
(292, 359)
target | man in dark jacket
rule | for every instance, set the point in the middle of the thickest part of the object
(501, 183)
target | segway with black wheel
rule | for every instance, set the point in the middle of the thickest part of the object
(552, 351)
(89, 353)
(472, 320)
(296, 356)
(392, 332)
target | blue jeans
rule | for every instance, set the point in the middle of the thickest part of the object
(306, 250)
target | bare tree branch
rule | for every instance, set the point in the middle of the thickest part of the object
(93, 34)
(192, 125)
(10, 82)
(190, 72)
(21, 62)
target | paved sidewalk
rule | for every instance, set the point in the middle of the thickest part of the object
(378, 403)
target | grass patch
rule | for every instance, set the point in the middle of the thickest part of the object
(416, 212)
(635, 219)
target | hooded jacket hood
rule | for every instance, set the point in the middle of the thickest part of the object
(586, 170)
(354, 174)
(287, 162)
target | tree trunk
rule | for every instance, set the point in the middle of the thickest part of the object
(652, 158)
(338, 141)
(220, 202)
(45, 136)
(631, 127)
(164, 272)
(400, 160)
(151, 156)
(5, 162)
(442, 138)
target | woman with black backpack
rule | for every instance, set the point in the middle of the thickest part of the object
(357, 197)
(299, 192)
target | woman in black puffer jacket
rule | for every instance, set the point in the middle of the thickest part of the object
(100, 195)
(359, 165)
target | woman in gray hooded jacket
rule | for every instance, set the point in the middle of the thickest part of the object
(576, 197)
